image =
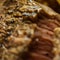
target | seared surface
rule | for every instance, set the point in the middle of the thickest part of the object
(27, 30)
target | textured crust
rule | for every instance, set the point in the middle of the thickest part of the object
(29, 19)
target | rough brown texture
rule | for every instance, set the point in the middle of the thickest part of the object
(31, 29)
(54, 4)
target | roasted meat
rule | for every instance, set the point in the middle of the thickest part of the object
(28, 31)
(54, 4)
